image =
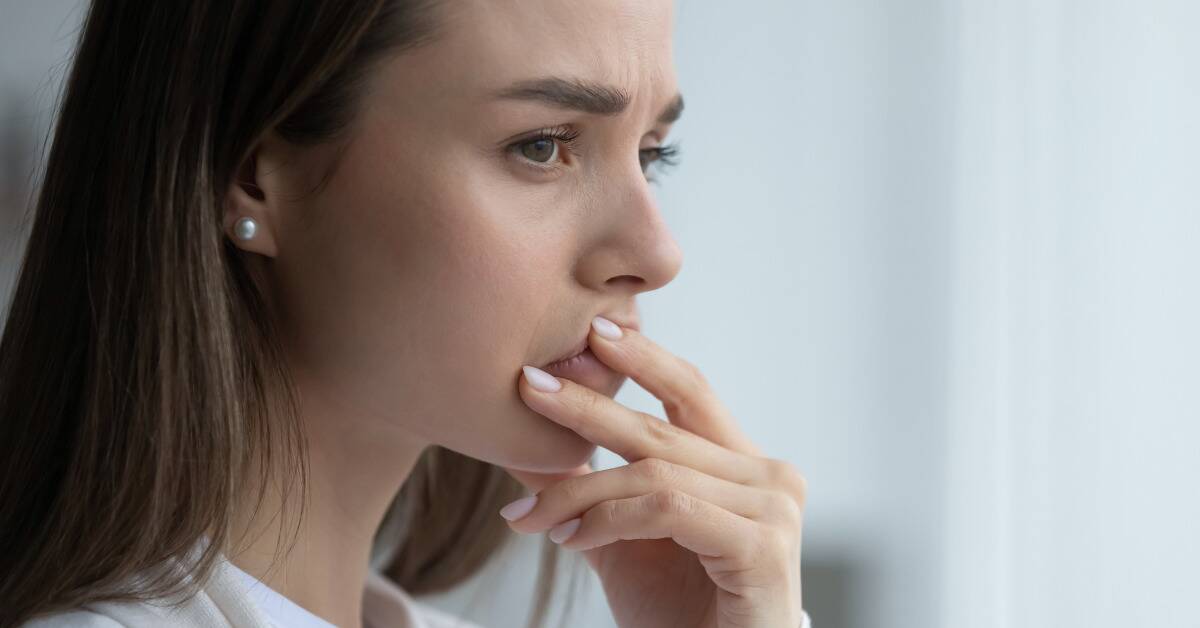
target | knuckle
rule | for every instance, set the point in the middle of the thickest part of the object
(785, 506)
(783, 474)
(660, 433)
(694, 372)
(693, 387)
(747, 544)
(654, 471)
(571, 490)
(777, 471)
(776, 541)
(671, 501)
(700, 388)
(801, 489)
(768, 540)
(607, 513)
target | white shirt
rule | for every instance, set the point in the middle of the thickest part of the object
(235, 599)
(280, 610)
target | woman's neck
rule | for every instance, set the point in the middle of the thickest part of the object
(356, 466)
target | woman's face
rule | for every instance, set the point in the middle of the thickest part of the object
(450, 247)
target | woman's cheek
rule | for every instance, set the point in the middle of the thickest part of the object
(435, 291)
(506, 310)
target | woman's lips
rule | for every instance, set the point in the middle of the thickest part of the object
(583, 367)
(582, 345)
(586, 369)
(576, 355)
(579, 348)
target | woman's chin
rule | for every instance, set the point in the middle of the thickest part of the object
(556, 451)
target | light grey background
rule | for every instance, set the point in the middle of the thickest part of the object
(943, 257)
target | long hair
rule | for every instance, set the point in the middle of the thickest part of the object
(141, 380)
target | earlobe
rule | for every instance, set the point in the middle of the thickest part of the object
(247, 211)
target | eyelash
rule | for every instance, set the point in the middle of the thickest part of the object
(665, 155)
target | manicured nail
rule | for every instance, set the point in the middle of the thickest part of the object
(519, 508)
(606, 328)
(541, 380)
(564, 530)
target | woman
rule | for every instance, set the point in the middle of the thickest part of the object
(313, 289)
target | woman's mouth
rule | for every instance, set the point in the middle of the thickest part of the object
(586, 369)
(583, 367)
(569, 360)
(574, 353)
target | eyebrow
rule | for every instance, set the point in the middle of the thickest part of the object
(581, 95)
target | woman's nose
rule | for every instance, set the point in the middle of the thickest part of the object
(634, 248)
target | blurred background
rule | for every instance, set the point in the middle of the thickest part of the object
(940, 255)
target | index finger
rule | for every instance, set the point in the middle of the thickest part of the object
(685, 393)
(631, 434)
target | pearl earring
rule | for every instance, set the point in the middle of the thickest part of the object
(245, 228)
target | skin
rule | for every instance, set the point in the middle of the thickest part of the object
(438, 261)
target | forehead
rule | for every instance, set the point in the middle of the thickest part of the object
(488, 44)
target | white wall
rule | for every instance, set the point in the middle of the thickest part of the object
(1075, 410)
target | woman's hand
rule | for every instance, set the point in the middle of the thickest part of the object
(700, 529)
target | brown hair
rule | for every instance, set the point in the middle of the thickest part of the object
(141, 380)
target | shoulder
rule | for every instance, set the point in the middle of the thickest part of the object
(118, 615)
(74, 618)
(220, 602)
(197, 611)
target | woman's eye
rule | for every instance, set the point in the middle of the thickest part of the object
(647, 157)
(545, 150)
(660, 156)
(541, 150)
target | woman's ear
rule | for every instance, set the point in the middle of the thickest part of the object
(250, 197)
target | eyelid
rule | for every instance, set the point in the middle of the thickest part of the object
(565, 136)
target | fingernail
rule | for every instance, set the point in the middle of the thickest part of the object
(564, 530)
(519, 508)
(541, 380)
(606, 328)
